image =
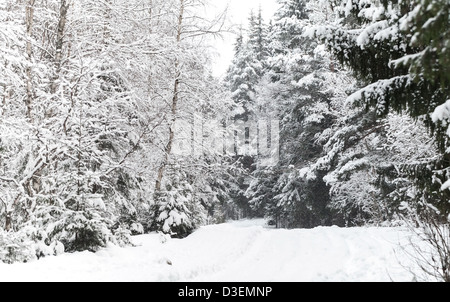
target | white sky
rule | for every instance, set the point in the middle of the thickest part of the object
(239, 12)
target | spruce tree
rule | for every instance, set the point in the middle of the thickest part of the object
(399, 50)
(258, 37)
(295, 82)
(243, 77)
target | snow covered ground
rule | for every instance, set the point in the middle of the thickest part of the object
(236, 252)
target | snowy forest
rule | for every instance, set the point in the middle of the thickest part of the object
(332, 113)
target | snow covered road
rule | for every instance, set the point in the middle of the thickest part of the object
(235, 252)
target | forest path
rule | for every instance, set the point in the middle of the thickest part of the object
(248, 251)
(245, 251)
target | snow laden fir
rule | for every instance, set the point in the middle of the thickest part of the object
(331, 113)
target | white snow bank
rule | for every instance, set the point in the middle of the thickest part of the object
(238, 251)
(441, 113)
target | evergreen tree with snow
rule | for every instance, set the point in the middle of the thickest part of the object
(247, 67)
(176, 212)
(296, 84)
(243, 76)
(257, 36)
(289, 29)
(398, 50)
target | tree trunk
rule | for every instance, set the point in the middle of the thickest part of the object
(168, 149)
(29, 15)
(8, 222)
(174, 109)
(60, 32)
(106, 24)
(150, 13)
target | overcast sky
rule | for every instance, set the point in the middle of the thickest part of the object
(239, 12)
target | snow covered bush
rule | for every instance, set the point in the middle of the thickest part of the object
(16, 247)
(122, 235)
(176, 210)
(81, 230)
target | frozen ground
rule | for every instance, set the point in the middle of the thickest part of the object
(236, 252)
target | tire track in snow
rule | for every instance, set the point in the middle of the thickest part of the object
(319, 255)
(200, 256)
(237, 251)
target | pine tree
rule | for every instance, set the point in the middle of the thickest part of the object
(290, 30)
(296, 84)
(397, 48)
(177, 213)
(243, 76)
(257, 37)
